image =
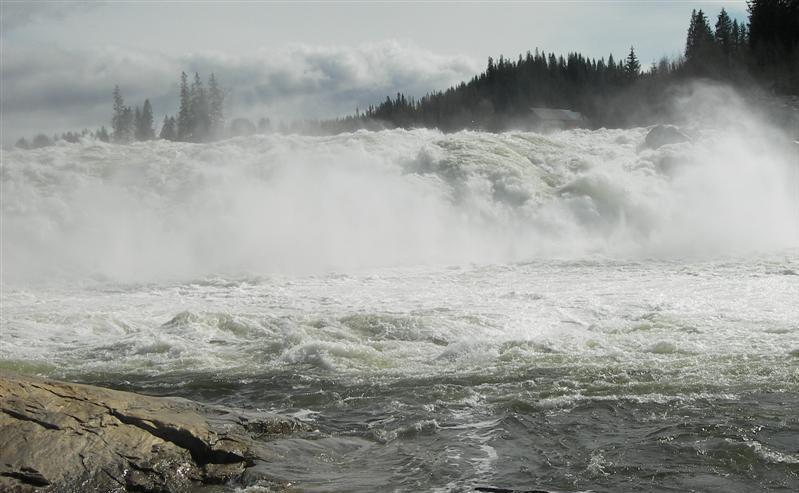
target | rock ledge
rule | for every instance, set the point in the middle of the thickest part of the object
(63, 437)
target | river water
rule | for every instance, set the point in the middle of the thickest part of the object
(567, 312)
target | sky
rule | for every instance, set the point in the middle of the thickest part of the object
(59, 61)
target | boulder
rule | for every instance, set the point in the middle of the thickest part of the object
(63, 437)
(661, 135)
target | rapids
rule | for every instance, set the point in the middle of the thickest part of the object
(571, 311)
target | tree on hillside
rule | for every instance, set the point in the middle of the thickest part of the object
(699, 45)
(774, 42)
(137, 123)
(199, 111)
(41, 140)
(184, 112)
(216, 115)
(724, 34)
(102, 135)
(127, 125)
(168, 129)
(144, 125)
(122, 120)
(632, 67)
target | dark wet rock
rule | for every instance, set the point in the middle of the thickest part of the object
(63, 437)
(661, 135)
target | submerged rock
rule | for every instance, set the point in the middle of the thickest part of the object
(63, 437)
(661, 135)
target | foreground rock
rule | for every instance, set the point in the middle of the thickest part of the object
(662, 135)
(62, 437)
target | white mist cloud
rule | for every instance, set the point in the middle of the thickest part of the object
(57, 90)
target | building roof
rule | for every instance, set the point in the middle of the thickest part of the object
(552, 114)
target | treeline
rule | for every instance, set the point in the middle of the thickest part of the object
(42, 140)
(200, 116)
(609, 92)
(503, 95)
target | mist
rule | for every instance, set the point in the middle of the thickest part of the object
(293, 204)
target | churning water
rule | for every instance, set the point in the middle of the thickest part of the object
(566, 312)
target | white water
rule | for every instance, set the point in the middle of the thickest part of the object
(303, 205)
(405, 252)
(572, 311)
(439, 304)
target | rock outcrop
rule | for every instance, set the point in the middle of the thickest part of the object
(63, 437)
(661, 135)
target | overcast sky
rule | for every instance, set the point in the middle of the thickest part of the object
(60, 60)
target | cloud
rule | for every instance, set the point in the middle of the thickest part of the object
(297, 81)
(16, 14)
(314, 81)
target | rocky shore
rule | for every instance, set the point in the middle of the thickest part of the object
(64, 437)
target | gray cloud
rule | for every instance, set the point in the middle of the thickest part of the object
(298, 81)
(16, 14)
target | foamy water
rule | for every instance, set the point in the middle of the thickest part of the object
(572, 311)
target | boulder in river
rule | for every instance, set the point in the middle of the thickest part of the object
(64, 437)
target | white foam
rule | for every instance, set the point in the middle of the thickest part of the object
(298, 205)
(403, 253)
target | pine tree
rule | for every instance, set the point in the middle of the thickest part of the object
(41, 140)
(22, 143)
(724, 33)
(216, 100)
(700, 47)
(122, 120)
(145, 126)
(199, 111)
(184, 123)
(127, 128)
(102, 135)
(632, 67)
(168, 130)
(774, 42)
(137, 125)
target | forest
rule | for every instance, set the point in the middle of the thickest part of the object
(761, 53)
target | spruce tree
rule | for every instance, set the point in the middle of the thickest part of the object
(168, 130)
(700, 47)
(199, 111)
(41, 140)
(184, 123)
(146, 131)
(724, 33)
(126, 126)
(120, 123)
(632, 67)
(102, 134)
(216, 100)
(137, 125)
